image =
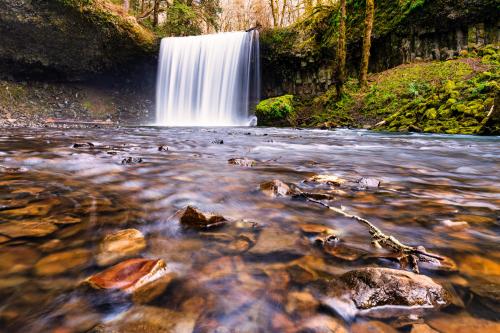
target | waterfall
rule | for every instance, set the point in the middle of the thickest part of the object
(210, 80)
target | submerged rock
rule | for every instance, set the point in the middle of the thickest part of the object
(62, 262)
(131, 160)
(150, 319)
(463, 324)
(322, 324)
(26, 229)
(327, 179)
(372, 327)
(84, 145)
(194, 218)
(119, 245)
(276, 188)
(369, 182)
(242, 162)
(162, 148)
(218, 142)
(276, 243)
(370, 287)
(144, 279)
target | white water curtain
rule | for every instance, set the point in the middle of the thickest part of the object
(207, 80)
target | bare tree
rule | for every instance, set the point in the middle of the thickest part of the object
(341, 51)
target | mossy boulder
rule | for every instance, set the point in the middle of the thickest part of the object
(276, 111)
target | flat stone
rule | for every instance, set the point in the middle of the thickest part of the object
(371, 287)
(143, 279)
(369, 182)
(327, 179)
(275, 242)
(62, 262)
(150, 319)
(314, 229)
(301, 303)
(422, 328)
(35, 209)
(322, 324)
(4, 239)
(17, 259)
(276, 188)
(478, 266)
(194, 218)
(372, 327)
(463, 324)
(26, 229)
(242, 162)
(119, 245)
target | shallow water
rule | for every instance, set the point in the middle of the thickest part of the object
(89, 193)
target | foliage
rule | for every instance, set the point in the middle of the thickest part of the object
(452, 97)
(276, 111)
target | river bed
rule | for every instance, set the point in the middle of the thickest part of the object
(263, 271)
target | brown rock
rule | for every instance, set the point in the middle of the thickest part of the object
(479, 266)
(119, 245)
(474, 219)
(35, 209)
(4, 239)
(275, 242)
(372, 327)
(327, 179)
(150, 319)
(422, 328)
(242, 162)
(322, 324)
(239, 245)
(370, 287)
(51, 245)
(193, 218)
(314, 229)
(62, 262)
(302, 304)
(17, 259)
(463, 324)
(26, 229)
(276, 188)
(127, 274)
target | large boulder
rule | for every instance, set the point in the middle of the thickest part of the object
(68, 39)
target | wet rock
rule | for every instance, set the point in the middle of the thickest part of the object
(143, 279)
(342, 251)
(372, 327)
(422, 328)
(462, 324)
(486, 293)
(51, 245)
(131, 160)
(162, 148)
(83, 145)
(119, 245)
(26, 229)
(474, 219)
(369, 182)
(322, 324)
(17, 259)
(64, 220)
(315, 229)
(192, 217)
(301, 303)
(478, 266)
(242, 162)
(239, 245)
(62, 262)
(276, 188)
(370, 287)
(12, 282)
(35, 209)
(452, 226)
(150, 319)
(276, 244)
(218, 142)
(331, 180)
(217, 236)
(4, 239)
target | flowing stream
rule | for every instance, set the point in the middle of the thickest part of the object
(59, 202)
(209, 80)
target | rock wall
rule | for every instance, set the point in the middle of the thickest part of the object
(68, 39)
(438, 30)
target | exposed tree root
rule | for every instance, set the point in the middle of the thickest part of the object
(408, 255)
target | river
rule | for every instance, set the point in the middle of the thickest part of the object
(436, 191)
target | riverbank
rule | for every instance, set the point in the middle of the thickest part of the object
(455, 96)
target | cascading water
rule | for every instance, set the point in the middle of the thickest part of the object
(210, 80)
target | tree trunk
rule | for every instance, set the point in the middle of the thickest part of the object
(126, 6)
(367, 42)
(274, 13)
(156, 12)
(283, 11)
(341, 51)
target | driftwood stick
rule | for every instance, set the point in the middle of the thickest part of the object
(414, 253)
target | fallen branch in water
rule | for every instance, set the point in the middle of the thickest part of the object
(413, 254)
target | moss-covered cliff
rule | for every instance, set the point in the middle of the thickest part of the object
(68, 39)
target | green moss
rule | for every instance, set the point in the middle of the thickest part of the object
(276, 111)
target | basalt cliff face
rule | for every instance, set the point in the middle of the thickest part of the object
(299, 60)
(69, 39)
